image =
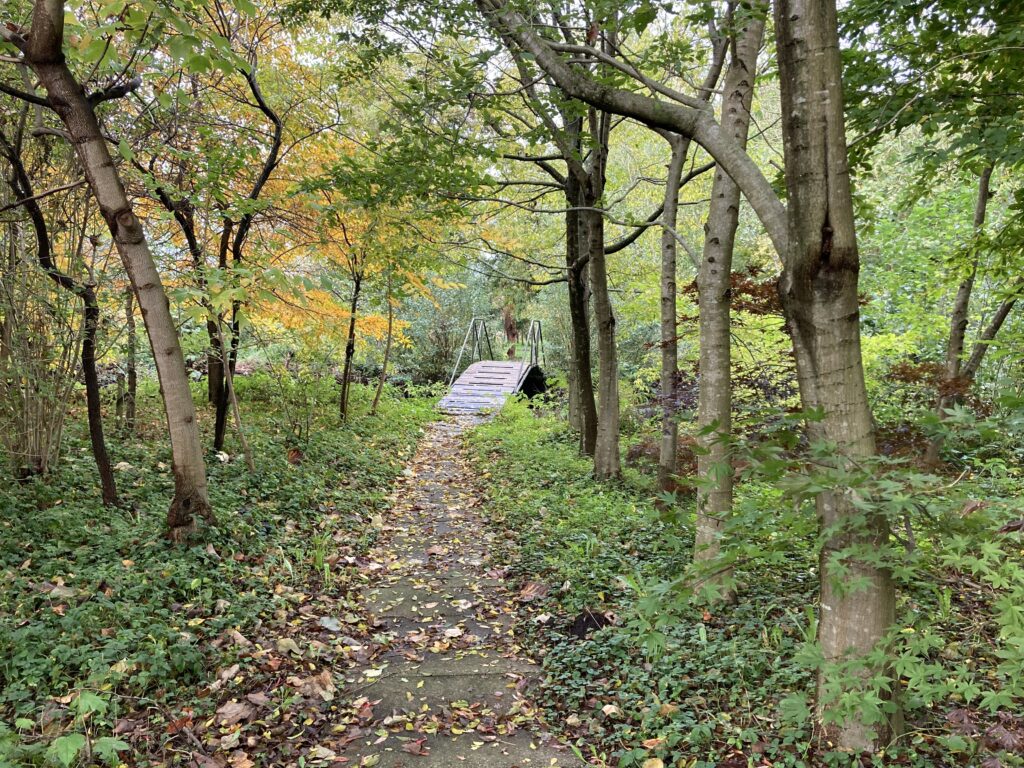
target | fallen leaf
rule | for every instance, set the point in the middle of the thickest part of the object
(416, 747)
(227, 674)
(259, 698)
(533, 591)
(330, 623)
(235, 712)
(239, 639)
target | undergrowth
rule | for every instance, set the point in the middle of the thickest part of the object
(692, 684)
(101, 617)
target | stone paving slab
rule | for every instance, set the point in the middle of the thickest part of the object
(450, 689)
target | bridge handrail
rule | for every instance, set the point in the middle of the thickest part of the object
(535, 341)
(477, 332)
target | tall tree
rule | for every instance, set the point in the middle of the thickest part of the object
(41, 49)
(816, 239)
(714, 406)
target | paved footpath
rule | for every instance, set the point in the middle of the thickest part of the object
(452, 688)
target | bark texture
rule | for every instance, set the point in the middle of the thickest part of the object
(669, 325)
(607, 462)
(43, 53)
(714, 404)
(669, 317)
(582, 405)
(818, 289)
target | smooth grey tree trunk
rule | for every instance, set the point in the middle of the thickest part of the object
(818, 289)
(714, 405)
(680, 146)
(669, 317)
(43, 53)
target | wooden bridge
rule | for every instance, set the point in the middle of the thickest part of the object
(487, 383)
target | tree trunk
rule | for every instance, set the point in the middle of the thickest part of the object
(606, 450)
(582, 408)
(387, 352)
(350, 347)
(958, 322)
(22, 186)
(92, 397)
(229, 350)
(669, 314)
(215, 356)
(229, 383)
(43, 53)
(680, 146)
(229, 361)
(133, 377)
(818, 289)
(714, 406)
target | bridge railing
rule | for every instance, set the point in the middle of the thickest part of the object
(535, 342)
(477, 339)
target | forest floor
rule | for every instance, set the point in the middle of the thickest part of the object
(399, 591)
(450, 689)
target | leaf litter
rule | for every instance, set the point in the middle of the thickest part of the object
(309, 686)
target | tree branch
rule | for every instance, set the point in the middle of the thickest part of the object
(114, 91)
(698, 124)
(31, 98)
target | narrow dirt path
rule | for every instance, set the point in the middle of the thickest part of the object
(450, 689)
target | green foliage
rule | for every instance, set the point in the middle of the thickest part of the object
(725, 678)
(103, 616)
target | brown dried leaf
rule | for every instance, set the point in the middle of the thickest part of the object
(416, 747)
(533, 591)
(235, 712)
